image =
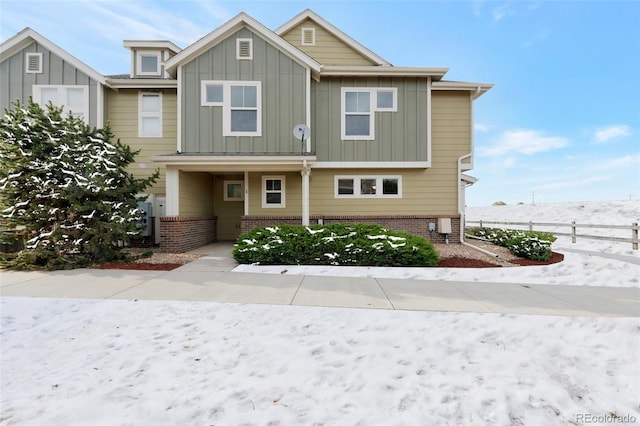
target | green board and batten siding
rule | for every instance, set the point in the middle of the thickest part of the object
(283, 98)
(399, 136)
(16, 83)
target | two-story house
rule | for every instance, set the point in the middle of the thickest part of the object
(301, 125)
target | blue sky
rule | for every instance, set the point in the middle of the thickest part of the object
(561, 124)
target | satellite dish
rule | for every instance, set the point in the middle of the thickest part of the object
(301, 132)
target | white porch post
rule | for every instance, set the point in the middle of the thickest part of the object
(246, 193)
(173, 192)
(305, 172)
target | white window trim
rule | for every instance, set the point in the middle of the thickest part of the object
(373, 108)
(62, 97)
(140, 54)
(226, 192)
(356, 186)
(146, 114)
(238, 42)
(282, 192)
(394, 107)
(27, 59)
(313, 36)
(203, 92)
(226, 104)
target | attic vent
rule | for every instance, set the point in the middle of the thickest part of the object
(244, 48)
(34, 63)
(308, 36)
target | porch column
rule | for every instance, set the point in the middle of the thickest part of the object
(305, 172)
(173, 192)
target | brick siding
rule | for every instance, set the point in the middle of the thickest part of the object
(181, 234)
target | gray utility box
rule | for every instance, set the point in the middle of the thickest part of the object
(146, 223)
(444, 225)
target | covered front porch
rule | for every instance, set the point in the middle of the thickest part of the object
(214, 198)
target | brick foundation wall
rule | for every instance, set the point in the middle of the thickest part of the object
(181, 234)
(415, 224)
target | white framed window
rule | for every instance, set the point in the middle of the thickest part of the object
(352, 186)
(212, 93)
(33, 63)
(74, 99)
(273, 192)
(241, 103)
(244, 48)
(358, 107)
(149, 115)
(308, 36)
(148, 62)
(233, 190)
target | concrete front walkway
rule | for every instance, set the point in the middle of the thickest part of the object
(211, 278)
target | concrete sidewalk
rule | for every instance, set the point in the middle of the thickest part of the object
(210, 279)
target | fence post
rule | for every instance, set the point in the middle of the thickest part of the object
(634, 235)
(480, 223)
(530, 226)
(573, 231)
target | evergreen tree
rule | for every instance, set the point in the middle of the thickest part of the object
(67, 185)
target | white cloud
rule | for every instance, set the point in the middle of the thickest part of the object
(523, 141)
(541, 35)
(605, 134)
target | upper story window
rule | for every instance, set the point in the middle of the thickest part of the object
(244, 48)
(358, 107)
(241, 103)
(308, 36)
(148, 63)
(33, 63)
(74, 99)
(150, 115)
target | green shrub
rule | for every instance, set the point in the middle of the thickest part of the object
(533, 245)
(356, 245)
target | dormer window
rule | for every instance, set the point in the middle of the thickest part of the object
(33, 63)
(244, 48)
(148, 63)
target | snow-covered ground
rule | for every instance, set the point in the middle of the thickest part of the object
(109, 362)
(576, 269)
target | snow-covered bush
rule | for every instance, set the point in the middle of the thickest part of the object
(66, 185)
(355, 245)
(528, 244)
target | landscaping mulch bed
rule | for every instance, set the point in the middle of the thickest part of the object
(555, 258)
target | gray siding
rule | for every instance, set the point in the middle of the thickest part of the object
(283, 98)
(399, 136)
(15, 83)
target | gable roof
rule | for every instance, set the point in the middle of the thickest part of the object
(28, 36)
(219, 34)
(310, 14)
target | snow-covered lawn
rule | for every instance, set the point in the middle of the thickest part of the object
(88, 362)
(109, 362)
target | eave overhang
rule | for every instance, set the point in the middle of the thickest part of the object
(141, 83)
(390, 71)
(478, 89)
(216, 163)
